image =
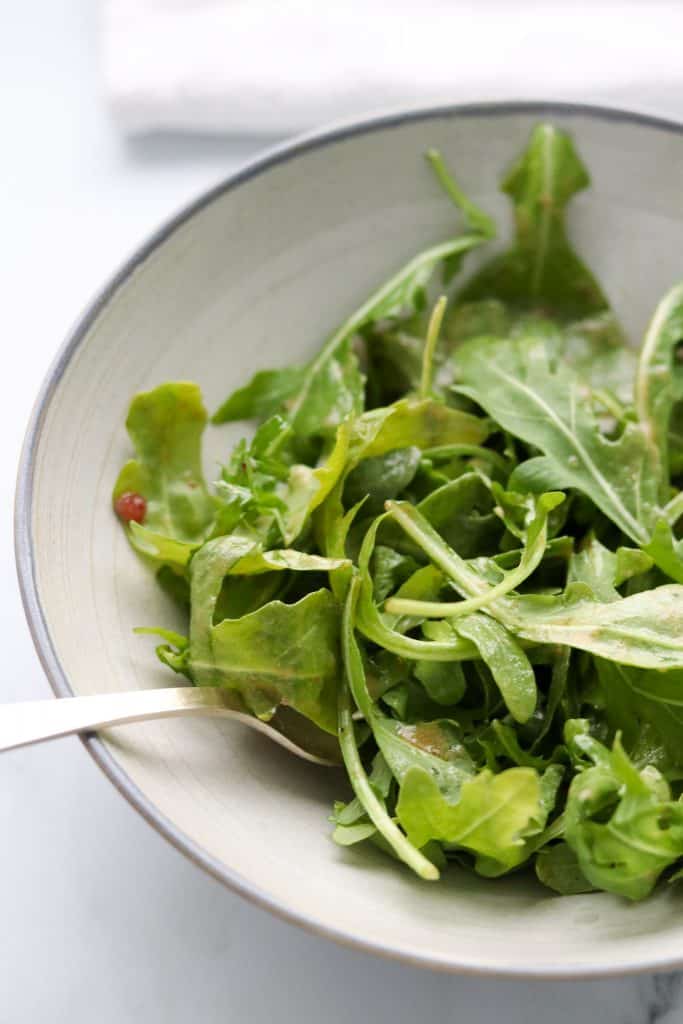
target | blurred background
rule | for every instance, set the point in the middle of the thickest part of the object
(112, 115)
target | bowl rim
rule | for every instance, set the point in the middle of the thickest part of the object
(23, 512)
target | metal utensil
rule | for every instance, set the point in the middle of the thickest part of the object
(38, 720)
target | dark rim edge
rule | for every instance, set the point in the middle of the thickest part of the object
(23, 540)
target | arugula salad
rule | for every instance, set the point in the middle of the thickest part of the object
(450, 556)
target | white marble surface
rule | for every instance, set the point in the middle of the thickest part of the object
(101, 919)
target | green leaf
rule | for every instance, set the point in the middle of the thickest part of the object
(419, 423)
(665, 550)
(165, 550)
(390, 569)
(280, 654)
(277, 654)
(174, 653)
(332, 389)
(352, 823)
(434, 747)
(381, 477)
(166, 427)
(349, 835)
(646, 709)
(504, 741)
(604, 570)
(462, 512)
(169, 635)
(559, 681)
(242, 594)
(507, 661)
(544, 404)
(174, 586)
(558, 867)
(621, 823)
(659, 380)
(307, 487)
(425, 584)
(445, 682)
(491, 818)
(250, 493)
(595, 347)
(541, 271)
(265, 394)
(645, 630)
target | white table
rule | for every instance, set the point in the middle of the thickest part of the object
(101, 920)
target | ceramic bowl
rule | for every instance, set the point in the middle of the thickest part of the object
(255, 274)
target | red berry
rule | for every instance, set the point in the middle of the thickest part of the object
(131, 507)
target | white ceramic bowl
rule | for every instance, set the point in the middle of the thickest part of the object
(255, 274)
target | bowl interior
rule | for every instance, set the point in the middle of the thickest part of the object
(256, 276)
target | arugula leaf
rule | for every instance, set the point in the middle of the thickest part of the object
(491, 818)
(621, 824)
(264, 396)
(445, 683)
(277, 654)
(545, 405)
(166, 427)
(507, 661)
(166, 550)
(542, 404)
(381, 477)
(557, 866)
(434, 747)
(644, 630)
(390, 569)
(604, 570)
(308, 487)
(541, 271)
(595, 347)
(420, 423)
(646, 709)
(659, 381)
(250, 492)
(462, 511)
(559, 681)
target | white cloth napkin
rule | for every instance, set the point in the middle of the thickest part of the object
(264, 67)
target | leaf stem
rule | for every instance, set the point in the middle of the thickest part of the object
(435, 321)
(476, 219)
(354, 681)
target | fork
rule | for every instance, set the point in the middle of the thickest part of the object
(29, 722)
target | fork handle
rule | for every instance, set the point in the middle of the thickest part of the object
(38, 720)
